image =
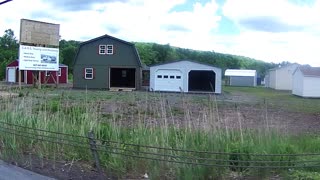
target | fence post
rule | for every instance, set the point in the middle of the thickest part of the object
(94, 151)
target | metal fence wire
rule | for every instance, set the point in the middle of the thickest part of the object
(170, 155)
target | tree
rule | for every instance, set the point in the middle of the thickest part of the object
(68, 55)
(8, 50)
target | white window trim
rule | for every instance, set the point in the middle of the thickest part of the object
(107, 48)
(59, 72)
(85, 73)
(47, 73)
(100, 48)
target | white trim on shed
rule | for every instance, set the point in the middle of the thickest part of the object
(174, 76)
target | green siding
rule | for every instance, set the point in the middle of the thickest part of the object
(88, 57)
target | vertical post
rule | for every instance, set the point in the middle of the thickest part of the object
(39, 79)
(94, 151)
(57, 75)
(19, 79)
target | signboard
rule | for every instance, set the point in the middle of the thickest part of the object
(38, 58)
(39, 33)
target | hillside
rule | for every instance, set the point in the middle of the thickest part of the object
(152, 53)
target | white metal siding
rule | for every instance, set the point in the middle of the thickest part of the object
(281, 78)
(297, 83)
(311, 87)
(272, 79)
(284, 78)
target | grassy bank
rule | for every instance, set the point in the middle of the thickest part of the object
(77, 113)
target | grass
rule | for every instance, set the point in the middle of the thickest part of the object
(278, 99)
(77, 112)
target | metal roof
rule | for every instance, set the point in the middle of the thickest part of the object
(310, 71)
(240, 72)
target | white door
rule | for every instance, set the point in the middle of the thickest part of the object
(168, 80)
(11, 74)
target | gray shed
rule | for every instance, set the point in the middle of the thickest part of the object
(185, 76)
(241, 77)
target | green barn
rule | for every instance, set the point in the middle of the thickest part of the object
(107, 62)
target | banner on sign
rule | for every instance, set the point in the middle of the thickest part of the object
(38, 58)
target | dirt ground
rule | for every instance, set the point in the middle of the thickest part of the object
(232, 111)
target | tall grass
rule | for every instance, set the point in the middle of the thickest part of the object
(144, 119)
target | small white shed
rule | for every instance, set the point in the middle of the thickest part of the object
(280, 78)
(306, 82)
(241, 77)
(185, 76)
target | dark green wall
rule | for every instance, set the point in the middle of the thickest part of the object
(88, 57)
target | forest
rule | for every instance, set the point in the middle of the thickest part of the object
(150, 54)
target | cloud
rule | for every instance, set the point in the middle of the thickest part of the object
(268, 24)
(173, 27)
(277, 15)
(78, 5)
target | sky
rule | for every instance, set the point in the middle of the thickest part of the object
(268, 30)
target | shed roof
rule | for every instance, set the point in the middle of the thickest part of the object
(240, 72)
(181, 60)
(310, 71)
(111, 37)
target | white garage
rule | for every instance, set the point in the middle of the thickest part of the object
(306, 82)
(185, 76)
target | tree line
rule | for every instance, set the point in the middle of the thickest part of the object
(150, 54)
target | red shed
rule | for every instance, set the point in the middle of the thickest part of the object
(49, 77)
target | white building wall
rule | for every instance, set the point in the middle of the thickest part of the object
(185, 67)
(284, 77)
(281, 78)
(272, 79)
(311, 87)
(297, 83)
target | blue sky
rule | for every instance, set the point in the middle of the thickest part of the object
(269, 30)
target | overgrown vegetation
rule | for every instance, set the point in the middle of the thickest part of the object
(78, 112)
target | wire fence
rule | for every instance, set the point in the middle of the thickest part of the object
(170, 155)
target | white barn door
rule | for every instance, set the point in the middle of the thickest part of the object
(168, 80)
(11, 74)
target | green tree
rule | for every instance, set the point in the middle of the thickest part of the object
(8, 50)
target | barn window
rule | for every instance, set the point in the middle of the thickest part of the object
(159, 76)
(165, 76)
(171, 77)
(109, 49)
(178, 77)
(102, 49)
(59, 72)
(88, 73)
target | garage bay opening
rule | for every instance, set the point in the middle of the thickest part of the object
(202, 81)
(122, 78)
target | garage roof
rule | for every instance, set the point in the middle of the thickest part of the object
(240, 72)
